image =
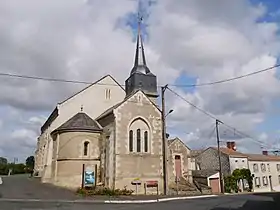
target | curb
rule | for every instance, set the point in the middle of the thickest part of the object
(131, 201)
(160, 199)
(186, 198)
(107, 201)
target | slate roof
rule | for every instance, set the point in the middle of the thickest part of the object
(260, 157)
(195, 153)
(231, 152)
(204, 173)
(79, 122)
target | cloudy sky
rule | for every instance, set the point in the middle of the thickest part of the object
(186, 42)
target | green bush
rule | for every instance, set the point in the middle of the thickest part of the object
(238, 174)
(103, 191)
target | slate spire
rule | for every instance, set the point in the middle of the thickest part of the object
(140, 65)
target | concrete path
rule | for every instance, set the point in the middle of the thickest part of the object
(22, 187)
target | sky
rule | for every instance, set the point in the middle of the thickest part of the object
(187, 42)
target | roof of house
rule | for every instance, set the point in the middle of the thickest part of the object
(170, 141)
(79, 122)
(195, 153)
(230, 152)
(260, 157)
(204, 173)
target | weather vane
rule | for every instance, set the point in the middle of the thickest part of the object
(140, 18)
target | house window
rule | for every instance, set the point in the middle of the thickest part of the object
(264, 180)
(255, 167)
(86, 148)
(279, 179)
(236, 161)
(107, 93)
(268, 167)
(263, 167)
(138, 141)
(278, 167)
(131, 141)
(257, 181)
(146, 141)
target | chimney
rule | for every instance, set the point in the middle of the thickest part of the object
(228, 144)
(265, 152)
(231, 145)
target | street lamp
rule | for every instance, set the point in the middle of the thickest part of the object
(170, 111)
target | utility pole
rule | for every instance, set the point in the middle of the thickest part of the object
(164, 142)
(219, 155)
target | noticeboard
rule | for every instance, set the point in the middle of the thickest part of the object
(90, 176)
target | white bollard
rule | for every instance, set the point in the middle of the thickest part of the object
(1, 182)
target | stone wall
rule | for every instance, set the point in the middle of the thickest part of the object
(209, 160)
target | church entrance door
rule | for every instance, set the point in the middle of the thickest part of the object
(178, 169)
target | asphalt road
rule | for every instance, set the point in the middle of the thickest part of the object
(26, 189)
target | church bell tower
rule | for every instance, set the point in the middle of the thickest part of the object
(141, 78)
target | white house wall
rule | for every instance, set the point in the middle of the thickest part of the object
(238, 163)
(271, 172)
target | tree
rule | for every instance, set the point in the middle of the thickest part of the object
(3, 161)
(29, 162)
(237, 175)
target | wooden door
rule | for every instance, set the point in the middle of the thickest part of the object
(215, 185)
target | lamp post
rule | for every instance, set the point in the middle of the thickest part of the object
(164, 141)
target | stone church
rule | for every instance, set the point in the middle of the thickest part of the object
(111, 131)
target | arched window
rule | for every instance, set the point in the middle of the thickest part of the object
(138, 146)
(86, 148)
(138, 136)
(131, 141)
(146, 141)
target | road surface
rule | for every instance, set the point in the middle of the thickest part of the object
(52, 198)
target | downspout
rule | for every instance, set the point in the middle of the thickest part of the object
(114, 153)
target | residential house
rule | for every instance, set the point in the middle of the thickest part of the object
(266, 171)
(230, 159)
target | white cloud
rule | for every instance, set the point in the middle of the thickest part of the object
(214, 41)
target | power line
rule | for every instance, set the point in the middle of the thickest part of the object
(46, 79)
(230, 79)
(173, 85)
(213, 117)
